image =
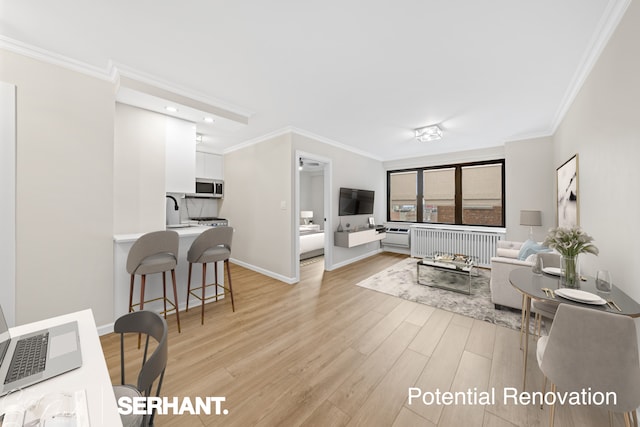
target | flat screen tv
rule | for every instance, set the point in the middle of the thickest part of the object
(355, 202)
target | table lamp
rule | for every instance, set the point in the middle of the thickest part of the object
(531, 218)
(306, 216)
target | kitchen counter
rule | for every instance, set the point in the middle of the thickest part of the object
(122, 245)
(193, 230)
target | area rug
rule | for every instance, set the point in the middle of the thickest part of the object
(400, 280)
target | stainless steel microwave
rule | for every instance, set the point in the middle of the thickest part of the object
(209, 188)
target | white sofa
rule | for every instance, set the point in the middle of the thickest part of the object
(503, 294)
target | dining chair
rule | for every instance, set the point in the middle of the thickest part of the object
(589, 349)
(213, 245)
(153, 367)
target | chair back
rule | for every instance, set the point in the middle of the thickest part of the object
(153, 243)
(216, 237)
(587, 347)
(153, 367)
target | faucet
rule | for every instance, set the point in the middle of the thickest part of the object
(175, 202)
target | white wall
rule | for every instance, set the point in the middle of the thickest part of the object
(8, 198)
(64, 193)
(353, 171)
(602, 126)
(312, 195)
(258, 204)
(139, 179)
(530, 185)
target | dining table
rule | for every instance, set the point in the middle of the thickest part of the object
(544, 287)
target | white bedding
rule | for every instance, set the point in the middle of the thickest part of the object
(311, 241)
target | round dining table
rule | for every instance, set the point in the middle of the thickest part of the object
(532, 286)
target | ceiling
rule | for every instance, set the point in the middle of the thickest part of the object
(361, 74)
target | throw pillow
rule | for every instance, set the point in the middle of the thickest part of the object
(529, 248)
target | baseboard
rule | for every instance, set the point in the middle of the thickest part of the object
(280, 277)
(352, 260)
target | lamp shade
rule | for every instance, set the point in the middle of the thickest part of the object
(306, 214)
(530, 218)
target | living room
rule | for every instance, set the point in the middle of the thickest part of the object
(61, 106)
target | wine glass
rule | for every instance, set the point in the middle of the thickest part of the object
(603, 281)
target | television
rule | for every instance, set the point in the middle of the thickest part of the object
(355, 202)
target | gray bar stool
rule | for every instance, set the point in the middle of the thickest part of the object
(155, 252)
(213, 245)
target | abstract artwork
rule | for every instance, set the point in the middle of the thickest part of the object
(567, 193)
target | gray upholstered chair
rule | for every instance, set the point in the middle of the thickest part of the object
(153, 367)
(541, 308)
(213, 245)
(593, 350)
(155, 252)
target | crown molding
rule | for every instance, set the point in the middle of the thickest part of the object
(115, 72)
(301, 132)
(606, 27)
(125, 73)
(43, 55)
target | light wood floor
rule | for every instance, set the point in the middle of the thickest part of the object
(325, 352)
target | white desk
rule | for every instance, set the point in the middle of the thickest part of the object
(92, 376)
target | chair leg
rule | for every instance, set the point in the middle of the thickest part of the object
(131, 293)
(215, 275)
(634, 415)
(188, 286)
(226, 264)
(142, 283)
(522, 322)
(552, 408)
(544, 388)
(627, 419)
(538, 324)
(610, 418)
(204, 285)
(175, 297)
(164, 292)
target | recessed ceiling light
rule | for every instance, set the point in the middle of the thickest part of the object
(208, 119)
(171, 109)
(429, 133)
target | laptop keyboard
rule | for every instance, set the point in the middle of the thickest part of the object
(30, 357)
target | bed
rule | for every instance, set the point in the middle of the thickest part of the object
(311, 241)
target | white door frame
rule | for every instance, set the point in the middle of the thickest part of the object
(327, 226)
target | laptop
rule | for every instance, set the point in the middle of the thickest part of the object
(31, 358)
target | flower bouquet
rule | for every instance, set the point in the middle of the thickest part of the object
(570, 242)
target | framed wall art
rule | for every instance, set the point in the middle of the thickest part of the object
(567, 194)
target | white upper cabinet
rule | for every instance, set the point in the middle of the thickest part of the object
(209, 165)
(180, 156)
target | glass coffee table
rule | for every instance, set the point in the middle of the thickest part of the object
(452, 272)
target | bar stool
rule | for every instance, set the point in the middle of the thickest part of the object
(154, 252)
(212, 245)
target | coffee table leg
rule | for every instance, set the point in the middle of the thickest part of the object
(526, 340)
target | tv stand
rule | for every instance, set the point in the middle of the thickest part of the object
(349, 239)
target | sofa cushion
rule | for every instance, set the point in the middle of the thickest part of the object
(529, 248)
(508, 253)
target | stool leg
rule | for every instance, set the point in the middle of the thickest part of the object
(226, 263)
(142, 283)
(175, 297)
(188, 286)
(204, 281)
(215, 274)
(164, 292)
(131, 294)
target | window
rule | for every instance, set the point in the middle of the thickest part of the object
(464, 194)
(403, 196)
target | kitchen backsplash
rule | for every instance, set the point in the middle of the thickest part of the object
(194, 207)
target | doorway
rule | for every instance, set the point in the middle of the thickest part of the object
(312, 212)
